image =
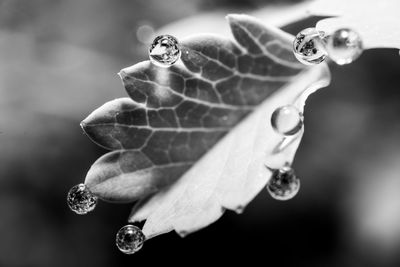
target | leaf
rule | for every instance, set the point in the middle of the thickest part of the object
(206, 120)
(378, 22)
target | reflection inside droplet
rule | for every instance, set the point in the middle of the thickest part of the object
(308, 47)
(129, 239)
(80, 200)
(283, 184)
(164, 51)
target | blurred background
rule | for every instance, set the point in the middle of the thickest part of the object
(58, 62)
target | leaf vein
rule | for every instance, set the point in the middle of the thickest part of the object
(267, 53)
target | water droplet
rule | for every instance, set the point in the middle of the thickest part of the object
(239, 209)
(344, 46)
(183, 233)
(164, 51)
(308, 47)
(129, 239)
(283, 184)
(80, 200)
(287, 120)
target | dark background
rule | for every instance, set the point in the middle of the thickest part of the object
(58, 62)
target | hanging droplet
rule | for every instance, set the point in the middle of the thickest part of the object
(283, 184)
(287, 120)
(308, 47)
(164, 51)
(129, 239)
(80, 200)
(344, 46)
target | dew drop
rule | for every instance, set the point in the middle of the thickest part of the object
(129, 239)
(239, 209)
(80, 200)
(344, 46)
(183, 233)
(308, 47)
(164, 51)
(283, 184)
(287, 120)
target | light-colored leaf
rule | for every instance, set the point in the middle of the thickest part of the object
(378, 22)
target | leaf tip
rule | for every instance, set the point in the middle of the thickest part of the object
(83, 124)
(121, 74)
(229, 17)
(239, 17)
